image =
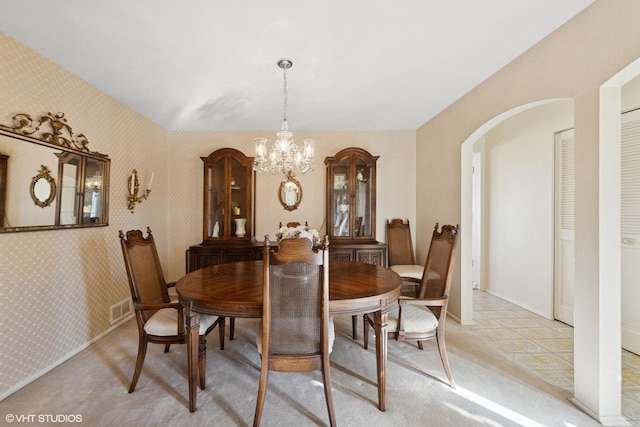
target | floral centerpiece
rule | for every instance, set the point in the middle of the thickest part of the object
(298, 232)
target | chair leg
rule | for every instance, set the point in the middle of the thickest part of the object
(365, 327)
(262, 391)
(142, 351)
(443, 356)
(221, 332)
(328, 390)
(354, 327)
(202, 361)
(420, 345)
(166, 348)
(232, 327)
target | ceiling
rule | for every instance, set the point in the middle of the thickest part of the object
(357, 64)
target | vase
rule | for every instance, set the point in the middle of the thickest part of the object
(216, 230)
(240, 224)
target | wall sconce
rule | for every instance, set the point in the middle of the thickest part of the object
(134, 186)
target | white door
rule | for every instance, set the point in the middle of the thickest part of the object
(564, 265)
(630, 230)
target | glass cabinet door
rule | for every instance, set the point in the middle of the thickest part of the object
(342, 200)
(351, 196)
(93, 192)
(83, 190)
(70, 166)
(228, 202)
(215, 220)
(363, 201)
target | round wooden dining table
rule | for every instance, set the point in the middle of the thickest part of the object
(235, 290)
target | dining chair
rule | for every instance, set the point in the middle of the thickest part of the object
(296, 333)
(423, 317)
(160, 320)
(401, 257)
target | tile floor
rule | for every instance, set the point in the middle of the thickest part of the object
(546, 347)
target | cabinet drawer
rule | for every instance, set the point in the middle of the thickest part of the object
(341, 255)
(374, 256)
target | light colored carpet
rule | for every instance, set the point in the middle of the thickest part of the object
(492, 390)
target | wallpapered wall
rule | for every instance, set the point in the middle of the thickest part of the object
(57, 286)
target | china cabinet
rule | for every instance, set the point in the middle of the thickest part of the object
(228, 216)
(351, 207)
(228, 196)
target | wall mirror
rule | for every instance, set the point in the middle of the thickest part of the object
(49, 179)
(290, 193)
(43, 188)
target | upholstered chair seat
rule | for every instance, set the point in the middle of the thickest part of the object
(418, 319)
(408, 271)
(164, 323)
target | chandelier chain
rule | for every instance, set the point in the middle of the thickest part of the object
(284, 102)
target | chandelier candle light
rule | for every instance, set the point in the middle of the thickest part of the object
(286, 157)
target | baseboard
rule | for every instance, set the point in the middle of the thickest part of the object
(64, 359)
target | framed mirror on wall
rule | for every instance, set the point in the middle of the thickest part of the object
(49, 179)
(43, 188)
(290, 193)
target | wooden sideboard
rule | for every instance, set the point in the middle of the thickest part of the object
(200, 256)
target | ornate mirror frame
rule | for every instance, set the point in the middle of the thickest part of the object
(43, 173)
(290, 193)
(52, 131)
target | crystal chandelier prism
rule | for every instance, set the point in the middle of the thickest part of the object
(286, 157)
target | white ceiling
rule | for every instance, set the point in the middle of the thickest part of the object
(357, 64)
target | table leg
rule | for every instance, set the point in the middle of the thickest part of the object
(380, 325)
(193, 333)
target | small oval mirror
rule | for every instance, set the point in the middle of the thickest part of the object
(43, 188)
(290, 193)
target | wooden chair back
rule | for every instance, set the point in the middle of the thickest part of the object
(144, 271)
(295, 300)
(438, 272)
(295, 314)
(400, 246)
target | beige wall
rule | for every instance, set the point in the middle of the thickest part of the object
(519, 205)
(57, 286)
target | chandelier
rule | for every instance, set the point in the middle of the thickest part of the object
(286, 156)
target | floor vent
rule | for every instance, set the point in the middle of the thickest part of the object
(119, 311)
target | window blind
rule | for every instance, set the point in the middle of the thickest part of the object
(630, 174)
